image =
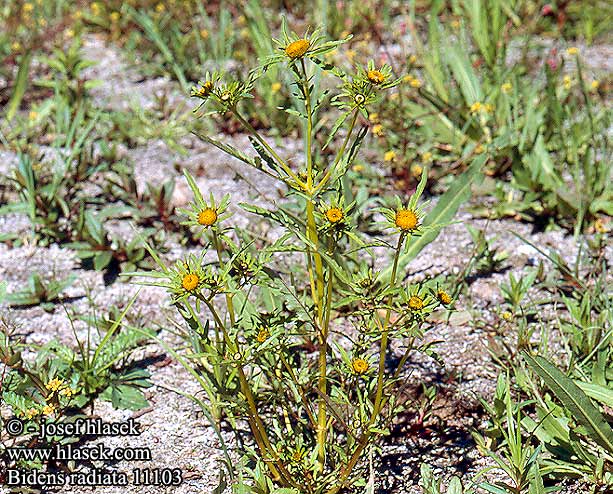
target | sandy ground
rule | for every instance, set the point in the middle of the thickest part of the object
(173, 427)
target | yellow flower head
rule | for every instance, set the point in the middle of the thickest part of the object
(275, 87)
(67, 392)
(207, 217)
(205, 89)
(416, 303)
(375, 76)
(416, 83)
(54, 384)
(31, 413)
(506, 87)
(427, 156)
(567, 81)
(28, 7)
(479, 149)
(476, 107)
(443, 297)
(263, 335)
(389, 156)
(190, 281)
(406, 220)
(378, 130)
(412, 59)
(416, 170)
(595, 85)
(297, 49)
(507, 316)
(334, 215)
(114, 16)
(48, 410)
(160, 7)
(359, 366)
(573, 50)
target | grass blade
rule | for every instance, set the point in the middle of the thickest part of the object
(577, 402)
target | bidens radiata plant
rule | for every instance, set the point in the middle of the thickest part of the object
(297, 346)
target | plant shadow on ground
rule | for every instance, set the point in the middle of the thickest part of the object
(435, 436)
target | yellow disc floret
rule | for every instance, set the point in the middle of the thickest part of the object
(375, 76)
(406, 220)
(263, 335)
(443, 297)
(298, 48)
(205, 89)
(416, 303)
(359, 365)
(54, 384)
(334, 215)
(190, 281)
(207, 217)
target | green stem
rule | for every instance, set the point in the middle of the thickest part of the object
(365, 436)
(341, 151)
(229, 296)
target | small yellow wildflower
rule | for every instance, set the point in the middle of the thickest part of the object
(378, 130)
(67, 392)
(489, 108)
(31, 413)
(406, 220)
(42, 22)
(595, 85)
(412, 59)
(599, 226)
(263, 335)
(207, 217)
(408, 78)
(427, 156)
(358, 168)
(69, 33)
(32, 115)
(416, 83)
(567, 81)
(443, 297)
(375, 76)
(16, 46)
(297, 49)
(455, 24)
(351, 55)
(334, 215)
(416, 303)
(204, 34)
(160, 7)
(476, 107)
(48, 410)
(95, 8)
(275, 87)
(389, 156)
(573, 50)
(506, 87)
(416, 170)
(54, 384)
(359, 366)
(373, 117)
(507, 316)
(479, 149)
(28, 7)
(114, 16)
(190, 281)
